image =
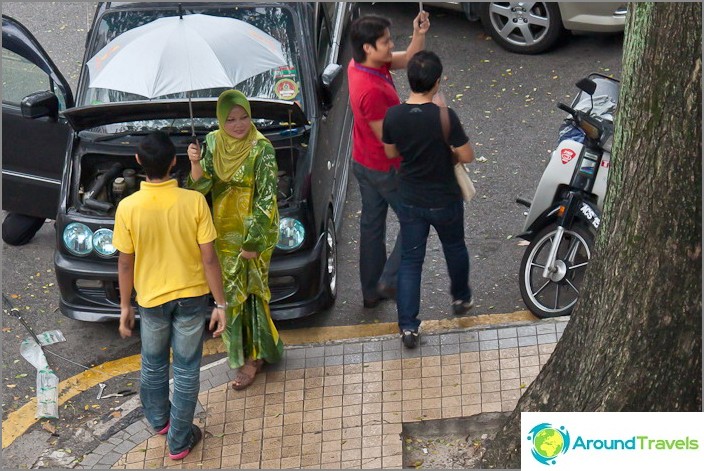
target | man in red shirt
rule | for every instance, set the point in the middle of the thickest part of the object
(372, 92)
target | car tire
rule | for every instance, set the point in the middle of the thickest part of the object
(19, 229)
(537, 30)
(330, 265)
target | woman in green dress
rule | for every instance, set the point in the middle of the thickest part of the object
(238, 168)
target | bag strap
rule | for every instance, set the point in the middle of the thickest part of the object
(445, 124)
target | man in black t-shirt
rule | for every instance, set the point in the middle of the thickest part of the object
(430, 195)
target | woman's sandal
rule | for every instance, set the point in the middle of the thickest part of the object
(246, 373)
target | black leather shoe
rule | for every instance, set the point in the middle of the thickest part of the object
(371, 303)
(386, 291)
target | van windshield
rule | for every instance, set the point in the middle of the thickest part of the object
(282, 83)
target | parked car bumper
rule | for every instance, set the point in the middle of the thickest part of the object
(605, 17)
(89, 289)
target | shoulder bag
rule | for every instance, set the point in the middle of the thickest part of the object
(465, 183)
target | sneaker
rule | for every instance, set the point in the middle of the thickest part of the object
(462, 308)
(165, 429)
(409, 338)
(195, 439)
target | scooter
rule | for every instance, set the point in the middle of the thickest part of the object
(565, 213)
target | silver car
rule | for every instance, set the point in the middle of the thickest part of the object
(535, 27)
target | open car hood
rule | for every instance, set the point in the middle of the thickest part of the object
(87, 117)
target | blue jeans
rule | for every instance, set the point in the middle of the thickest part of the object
(178, 324)
(415, 227)
(379, 190)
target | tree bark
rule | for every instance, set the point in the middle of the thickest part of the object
(633, 342)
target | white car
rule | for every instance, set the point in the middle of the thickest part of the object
(535, 27)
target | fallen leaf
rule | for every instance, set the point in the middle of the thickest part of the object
(21, 375)
(49, 426)
(11, 386)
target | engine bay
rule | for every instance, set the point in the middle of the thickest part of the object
(104, 180)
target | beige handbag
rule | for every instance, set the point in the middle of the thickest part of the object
(465, 183)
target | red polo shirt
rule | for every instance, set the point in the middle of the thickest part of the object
(372, 92)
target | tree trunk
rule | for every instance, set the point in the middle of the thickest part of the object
(633, 342)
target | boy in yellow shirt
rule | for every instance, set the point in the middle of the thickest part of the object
(165, 237)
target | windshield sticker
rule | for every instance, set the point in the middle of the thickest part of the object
(286, 89)
(286, 71)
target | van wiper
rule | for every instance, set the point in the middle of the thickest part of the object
(117, 135)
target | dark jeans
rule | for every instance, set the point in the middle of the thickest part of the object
(415, 227)
(379, 190)
(177, 324)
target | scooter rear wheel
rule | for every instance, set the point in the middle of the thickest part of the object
(556, 295)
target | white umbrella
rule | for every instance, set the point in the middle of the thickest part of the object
(184, 53)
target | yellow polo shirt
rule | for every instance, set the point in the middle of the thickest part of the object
(163, 226)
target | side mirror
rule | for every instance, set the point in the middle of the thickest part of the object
(40, 105)
(587, 85)
(328, 80)
(331, 72)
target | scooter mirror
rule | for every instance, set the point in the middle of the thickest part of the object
(587, 85)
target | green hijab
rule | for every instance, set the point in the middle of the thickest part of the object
(230, 152)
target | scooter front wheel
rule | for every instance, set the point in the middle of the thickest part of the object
(557, 294)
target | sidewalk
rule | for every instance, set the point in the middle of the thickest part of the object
(343, 405)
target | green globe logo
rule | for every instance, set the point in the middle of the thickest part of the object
(548, 442)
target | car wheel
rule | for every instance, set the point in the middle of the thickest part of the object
(330, 273)
(525, 28)
(18, 229)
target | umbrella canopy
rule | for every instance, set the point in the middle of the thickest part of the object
(182, 54)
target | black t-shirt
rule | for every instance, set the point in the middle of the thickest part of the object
(427, 178)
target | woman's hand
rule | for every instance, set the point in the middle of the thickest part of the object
(194, 153)
(248, 255)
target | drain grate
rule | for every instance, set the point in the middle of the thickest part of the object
(454, 443)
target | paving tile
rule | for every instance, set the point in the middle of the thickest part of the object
(527, 331)
(371, 347)
(411, 353)
(353, 358)
(334, 350)
(508, 343)
(545, 328)
(547, 338)
(315, 362)
(294, 353)
(296, 364)
(334, 360)
(350, 348)
(372, 356)
(391, 354)
(472, 346)
(315, 352)
(488, 345)
(450, 349)
(526, 341)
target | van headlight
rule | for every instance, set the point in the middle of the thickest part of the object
(291, 234)
(78, 239)
(102, 242)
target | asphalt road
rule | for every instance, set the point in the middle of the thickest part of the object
(507, 103)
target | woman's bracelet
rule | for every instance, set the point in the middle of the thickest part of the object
(221, 306)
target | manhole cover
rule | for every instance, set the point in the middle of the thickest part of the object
(457, 443)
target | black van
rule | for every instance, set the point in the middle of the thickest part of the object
(65, 155)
